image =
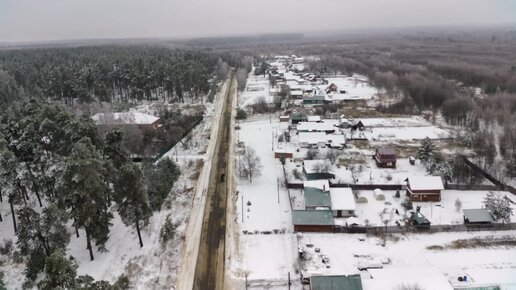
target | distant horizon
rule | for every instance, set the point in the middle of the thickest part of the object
(306, 34)
(25, 21)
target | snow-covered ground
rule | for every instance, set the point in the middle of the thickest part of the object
(263, 210)
(357, 87)
(347, 251)
(257, 87)
(443, 212)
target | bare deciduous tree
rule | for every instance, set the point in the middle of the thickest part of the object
(332, 155)
(250, 164)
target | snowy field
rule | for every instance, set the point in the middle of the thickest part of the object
(347, 251)
(266, 258)
(257, 88)
(357, 87)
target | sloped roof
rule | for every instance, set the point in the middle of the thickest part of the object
(425, 183)
(351, 282)
(312, 217)
(478, 215)
(315, 197)
(342, 198)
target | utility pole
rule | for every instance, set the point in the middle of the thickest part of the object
(277, 182)
(176, 152)
(243, 212)
(289, 283)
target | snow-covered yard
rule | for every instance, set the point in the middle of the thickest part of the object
(438, 213)
(346, 251)
(257, 88)
(357, 87)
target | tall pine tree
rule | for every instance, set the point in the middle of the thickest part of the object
(131, 198)
(82, 190)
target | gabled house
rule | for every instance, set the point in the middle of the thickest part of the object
(385, 157)
(312, 221)
(424, 188)
(316, 100)
(342, 202)
(298, 117)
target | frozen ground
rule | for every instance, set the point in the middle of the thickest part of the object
(356, 86)
(347, 251)
(257, 88)
(443, 212)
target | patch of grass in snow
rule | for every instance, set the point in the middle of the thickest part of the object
(505, 241)
(197, 171)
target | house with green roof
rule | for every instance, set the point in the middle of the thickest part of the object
(312, 221)
(350, 282)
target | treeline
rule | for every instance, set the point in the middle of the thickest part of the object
(105, 73)
(471, 80)
(57, 170)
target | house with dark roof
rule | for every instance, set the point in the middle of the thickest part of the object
(312, 221)
(385, 157)
(350, 282)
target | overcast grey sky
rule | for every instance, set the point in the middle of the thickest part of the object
(36, 20)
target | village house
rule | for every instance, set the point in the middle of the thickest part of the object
(298, 117)
(316, 198)
(424, 188)
(312, 139)
(316, 100)
(322, 126)
(342, 202)
(312, 221)
(351, 282)
(385, 157)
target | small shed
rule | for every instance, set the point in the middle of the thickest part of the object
(424, 188)
(419, 220)
(477, 216)
(298, 117)
(342, 202)
(351, 282)
(385, 157)
(283, 152)
(284, 119)
(312, 221)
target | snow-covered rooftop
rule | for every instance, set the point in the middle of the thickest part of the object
(322, 184)
(312, 137)
(314, 118)
(315, 126)
(425, 183)
(124, 118)
(427, 278)
(342, 198)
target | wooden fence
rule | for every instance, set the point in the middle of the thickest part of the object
(424, 229)
(353, 186)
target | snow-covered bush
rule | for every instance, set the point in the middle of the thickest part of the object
(362, 199)
(167, 231)
(380, 197)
